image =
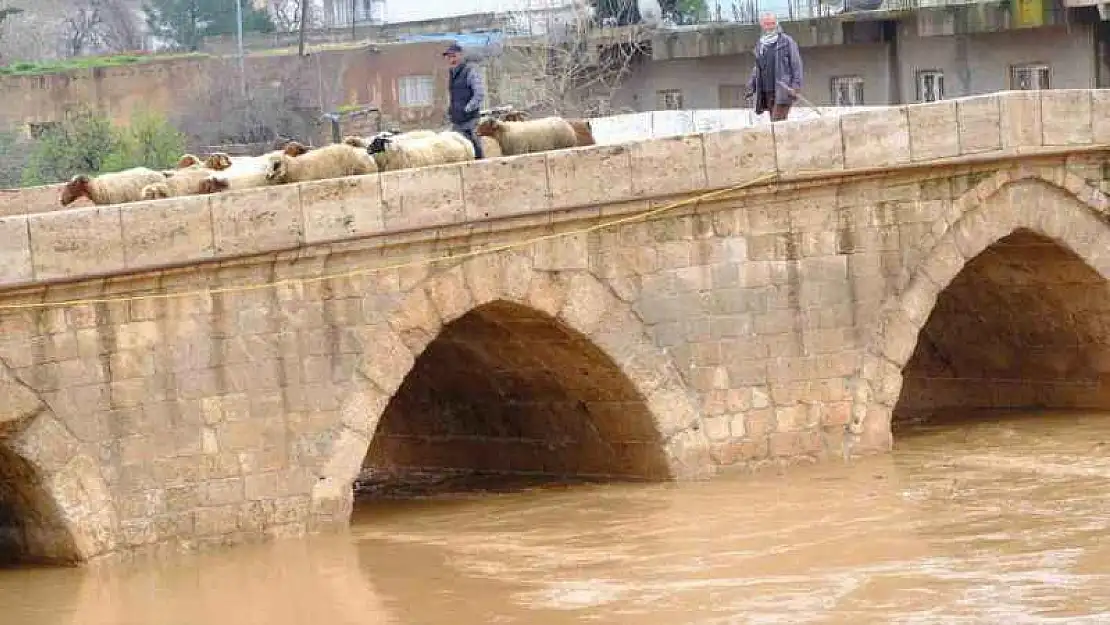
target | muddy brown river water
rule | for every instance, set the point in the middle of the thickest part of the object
(1000, 520)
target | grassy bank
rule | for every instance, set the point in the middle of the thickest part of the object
(42, 68)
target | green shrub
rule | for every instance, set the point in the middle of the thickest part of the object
(88, 143)
(148, 141)
(78, 145)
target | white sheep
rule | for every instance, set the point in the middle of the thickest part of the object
(220, 161)
(539, 135)
(244, 172)
(114, 188)
(439, 149)
(364, 142)
(186, 181)
(332, 161)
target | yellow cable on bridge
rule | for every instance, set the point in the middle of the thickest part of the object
(708, 196)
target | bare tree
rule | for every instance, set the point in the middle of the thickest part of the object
(286, 14)
(222, 114)
(569, 65)
(83, 29)
(122, 27)
(92, 26)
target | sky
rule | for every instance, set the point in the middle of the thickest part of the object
(408, 10)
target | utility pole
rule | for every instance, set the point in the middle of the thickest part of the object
(304, 21)
(354, 33)
(239, 35)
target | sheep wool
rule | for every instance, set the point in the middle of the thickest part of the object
(115, 188)
(333, 161)
(188, 181)
(365, 142)
(490, 147)
(526, 137)
(437, 149)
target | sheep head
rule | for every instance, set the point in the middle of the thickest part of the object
(277, 170)
(157, 191)
(77, 187)
(213, 184)
(294, 148)
(355, 142)
(380, 143)
(187, 160)
(489, 127)
(217, 161)
(515, 116)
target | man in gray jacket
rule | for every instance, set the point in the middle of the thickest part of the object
(777, 76)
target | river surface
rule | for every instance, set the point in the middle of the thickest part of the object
(999, 520)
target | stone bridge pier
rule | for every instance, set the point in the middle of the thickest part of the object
(210, 370)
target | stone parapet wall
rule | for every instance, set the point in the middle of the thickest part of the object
(68, 245)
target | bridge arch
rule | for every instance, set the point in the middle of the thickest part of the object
(1051, 208)
(54, 503)
(501, 289)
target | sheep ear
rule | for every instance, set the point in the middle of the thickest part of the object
(80, 179)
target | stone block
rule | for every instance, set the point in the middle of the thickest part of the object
(45, 442)
(217, 521)
(503, 187)
(423, 197)
(342, 208)
(1100, 115)
(978, 119)
(15, 251)
(878, 138)
(166, 232)
(591, 175)
(809, 146)
(449, 295)
(587, 301)
(1020, 119)
(1066, 116)
(738, 156)
(668, 166)
(79, 242)
(257, 220)
(934, 131)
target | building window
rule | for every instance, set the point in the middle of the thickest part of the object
(37, 130)
(413, 91)
(669, 99)
(930, 85)
(1029, 77)
(731, 96)
(847, 91)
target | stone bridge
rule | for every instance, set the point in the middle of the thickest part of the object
(217, 369)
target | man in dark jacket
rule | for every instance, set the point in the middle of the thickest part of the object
(467, 93)
(777, 76)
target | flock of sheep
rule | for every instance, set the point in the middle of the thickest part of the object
(500, 135)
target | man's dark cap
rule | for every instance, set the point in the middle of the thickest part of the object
(453, 49)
